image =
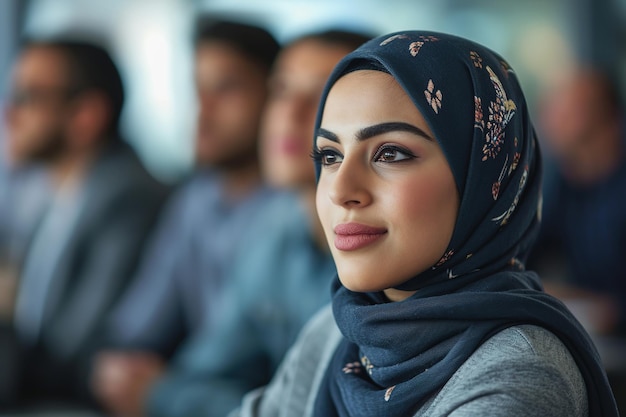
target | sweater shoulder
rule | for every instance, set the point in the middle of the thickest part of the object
(522, 370)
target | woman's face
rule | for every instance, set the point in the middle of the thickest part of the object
(386, 195)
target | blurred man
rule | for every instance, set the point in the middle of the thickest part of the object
(583, 237)
(63, 112)
(285, 270)
(179, 284)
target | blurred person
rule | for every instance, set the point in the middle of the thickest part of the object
(178, 285)
(24, 193)
(25, 190)
(284, 269)
(582, 245)
(63, 112)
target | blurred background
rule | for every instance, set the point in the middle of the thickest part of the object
(151, 41)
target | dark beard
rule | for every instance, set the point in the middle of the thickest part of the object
(231, 162)
(50, 150)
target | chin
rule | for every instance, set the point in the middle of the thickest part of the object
(358, 285)
(280, 179)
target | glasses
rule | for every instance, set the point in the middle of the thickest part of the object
(28, 97)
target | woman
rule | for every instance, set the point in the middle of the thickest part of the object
(428, 193)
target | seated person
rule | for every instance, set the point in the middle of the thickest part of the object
(582, 244)
(178, 285)
(63, 112)
(282, 250)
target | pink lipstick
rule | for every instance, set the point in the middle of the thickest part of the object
(292, 146)
(353, 236)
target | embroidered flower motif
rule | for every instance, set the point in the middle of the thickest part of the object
(476, 59)
(429, 38)
(388, 393)
(495, 188)
(478, 113)
(500, 113)
(367, 364)
(433, 97)
(504, 217)
(469, 255)
(352, 368)
(392, 38)
(516, 158)
(506, 68)
(515, 262)
(445, 258)
(414, 47)
(451, 275)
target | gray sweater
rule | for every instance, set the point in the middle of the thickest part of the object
(521, 371)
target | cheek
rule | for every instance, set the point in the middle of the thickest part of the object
(417, 200)
(426, 211)
(242, 112)
(33, 126)
(323, 205)
(275, 127)
(27, 119)
(271, 124)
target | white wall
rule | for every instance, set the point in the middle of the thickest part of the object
(151, 39)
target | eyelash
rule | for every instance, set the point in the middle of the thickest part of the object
(320, 155)
(385, 148)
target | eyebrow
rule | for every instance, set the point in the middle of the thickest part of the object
(377, 129)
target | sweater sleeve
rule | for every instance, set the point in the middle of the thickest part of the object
(294, 387)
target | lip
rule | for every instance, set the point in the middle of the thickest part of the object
(354, 236)
(291, 146)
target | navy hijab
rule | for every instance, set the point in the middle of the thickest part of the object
(394, 356)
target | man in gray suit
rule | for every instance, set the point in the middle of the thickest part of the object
(64, 110)
(178, 288)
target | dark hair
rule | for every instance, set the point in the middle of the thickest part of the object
(610, 90)
(254, 42)
(339, 37)
(90, 68)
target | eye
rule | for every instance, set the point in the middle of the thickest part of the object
(392, 154)
(326, 157)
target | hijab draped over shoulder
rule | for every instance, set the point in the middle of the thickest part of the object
(407, 350)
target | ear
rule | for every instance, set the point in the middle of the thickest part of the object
(90, 119)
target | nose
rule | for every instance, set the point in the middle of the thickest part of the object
(349, 185)
(301, 108)
(206, 103)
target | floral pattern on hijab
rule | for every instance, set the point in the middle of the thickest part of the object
(473, 103)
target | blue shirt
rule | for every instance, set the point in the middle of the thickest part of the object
(586, 228)
(281, 279)
(179, 281)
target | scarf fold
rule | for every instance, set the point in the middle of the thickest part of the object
(395, 356)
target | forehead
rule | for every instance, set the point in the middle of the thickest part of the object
(310, 56)
(219, 57)
(369, 96)
(39, 65)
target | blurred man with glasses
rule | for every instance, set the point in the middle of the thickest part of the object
(63, 113)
